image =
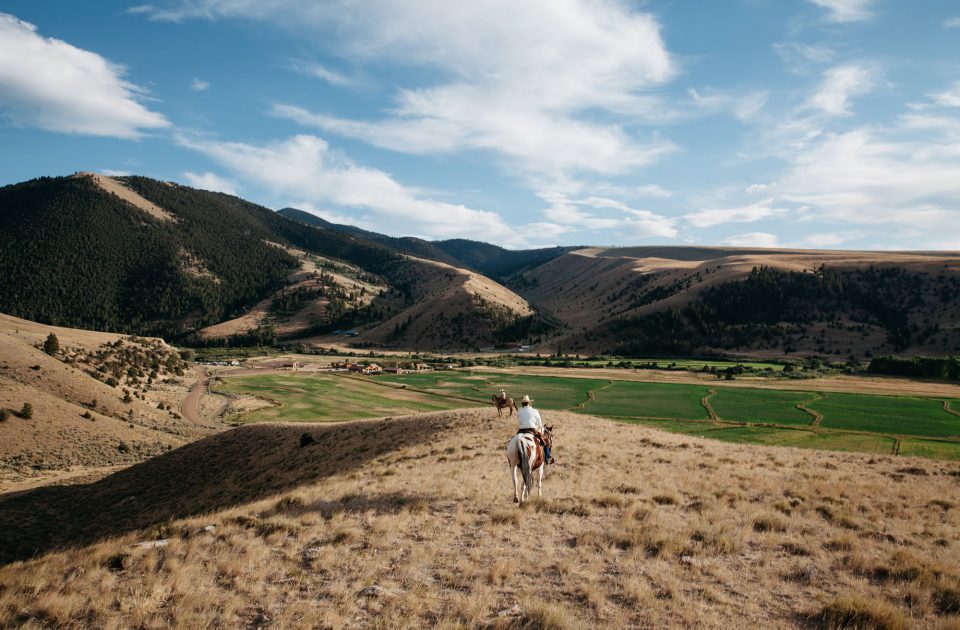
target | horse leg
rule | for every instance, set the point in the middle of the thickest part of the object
(540, 481)
(513, 473)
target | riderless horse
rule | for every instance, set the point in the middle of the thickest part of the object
(524, 452)
(501, 404)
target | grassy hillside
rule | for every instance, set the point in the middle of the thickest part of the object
(100, 400)
(136, 255)
(408, 523)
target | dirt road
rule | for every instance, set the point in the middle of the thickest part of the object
(190, 407)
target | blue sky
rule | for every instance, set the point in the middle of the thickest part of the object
(804, 123)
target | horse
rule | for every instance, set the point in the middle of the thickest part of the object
(524, 452)
(500, 404)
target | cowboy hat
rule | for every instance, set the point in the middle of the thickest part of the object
(526, 399)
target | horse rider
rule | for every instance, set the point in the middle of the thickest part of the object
(530, 422)
(502, 396)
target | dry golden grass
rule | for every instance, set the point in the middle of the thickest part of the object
(79, 421)
(375, 525)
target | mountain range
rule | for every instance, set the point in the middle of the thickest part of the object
(137, 255)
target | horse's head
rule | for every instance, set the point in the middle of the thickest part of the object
(548, 436)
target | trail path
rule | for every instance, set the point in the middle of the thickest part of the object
(705, 401)
(817, 416)
(949, 409)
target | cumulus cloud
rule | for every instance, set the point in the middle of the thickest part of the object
(305, 167)
(211, 181)
(953, 22)
(743, 214)
(545, 85)
(199, 85)
(906, 190)
(846, 10)
(50, 84)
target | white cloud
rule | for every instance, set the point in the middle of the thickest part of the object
(211, 181)
(537, 83)
(861, 177)
(949, 97)
(631, 222)
(953, 22)
(743, 107)
(799, 57)
(50, 84)
(199, 85)
(319, 71)
(752, 239)
(304, 166)
(841, 84)
(744, 214)
(828, 240)
(846, 10)
(109, 172)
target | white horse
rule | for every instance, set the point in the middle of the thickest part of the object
(524, 452)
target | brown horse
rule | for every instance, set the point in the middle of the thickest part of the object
(501, 404)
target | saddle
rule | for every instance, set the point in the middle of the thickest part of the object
(536, 436)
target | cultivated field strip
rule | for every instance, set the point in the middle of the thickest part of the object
(905, 425)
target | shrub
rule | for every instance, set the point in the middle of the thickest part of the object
(26, 412)
(306, 439)
(122, 447)
(4, 414)
(52, 345)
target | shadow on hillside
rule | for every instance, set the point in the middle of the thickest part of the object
(231, 468)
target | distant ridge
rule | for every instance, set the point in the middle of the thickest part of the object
(405, 245)
(492, 260)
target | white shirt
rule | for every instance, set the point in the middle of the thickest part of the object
(530, 418)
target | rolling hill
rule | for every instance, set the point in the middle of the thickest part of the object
(777, 303)
(96, 401)
(409, 522)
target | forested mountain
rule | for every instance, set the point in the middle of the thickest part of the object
(490, 260)
(74, 254)
(141, 256)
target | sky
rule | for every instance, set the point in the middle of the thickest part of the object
(825, 124)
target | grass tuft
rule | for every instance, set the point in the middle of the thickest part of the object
(857, 612)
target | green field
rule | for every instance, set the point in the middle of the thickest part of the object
(899, 415)
(325, 398)
(649, 400)
(851, 422)
(761, 405)
(933, 450)
(549, 392)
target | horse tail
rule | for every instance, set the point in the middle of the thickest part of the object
(525, 466)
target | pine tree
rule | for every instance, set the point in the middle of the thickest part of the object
(52, 345)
